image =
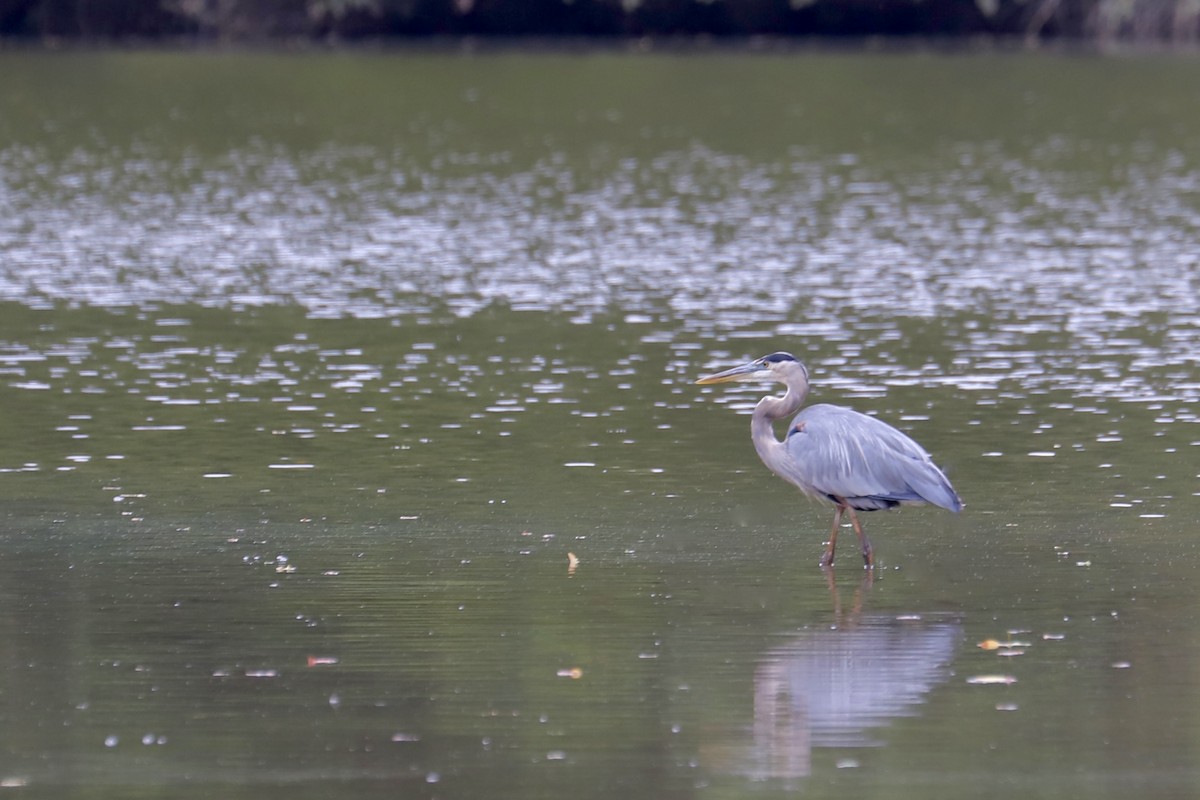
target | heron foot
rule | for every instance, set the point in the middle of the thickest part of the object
(826, 558)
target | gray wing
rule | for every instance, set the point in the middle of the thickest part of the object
(838, 452)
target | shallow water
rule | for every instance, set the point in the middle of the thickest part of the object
(350, 442)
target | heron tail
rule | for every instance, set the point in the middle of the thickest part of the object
(935, 489)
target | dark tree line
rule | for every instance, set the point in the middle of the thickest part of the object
(237, 20)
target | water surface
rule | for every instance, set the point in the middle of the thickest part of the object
(350, 443)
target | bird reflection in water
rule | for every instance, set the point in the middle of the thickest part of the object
(832, 687)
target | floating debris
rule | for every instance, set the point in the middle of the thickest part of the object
(262, 673)
(405, 737)
(1121, 665)
(985, 680)
(1006, 706)
(322, 661)
(572, 563)
(574, 673)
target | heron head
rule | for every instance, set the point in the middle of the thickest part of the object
(774, 367)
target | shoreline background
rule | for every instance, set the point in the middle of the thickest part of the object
(1150, 22)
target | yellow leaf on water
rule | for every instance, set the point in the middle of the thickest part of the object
(993, 644)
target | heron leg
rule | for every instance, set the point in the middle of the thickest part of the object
(867, 552)
(827, 558)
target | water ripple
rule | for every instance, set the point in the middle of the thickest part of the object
(702, 236)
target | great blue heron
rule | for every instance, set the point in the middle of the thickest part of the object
(837, 454)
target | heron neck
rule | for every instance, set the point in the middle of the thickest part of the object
(762, 429)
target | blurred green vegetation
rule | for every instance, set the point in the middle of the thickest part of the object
(1175, 21)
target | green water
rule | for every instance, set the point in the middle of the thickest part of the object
(318, 373)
